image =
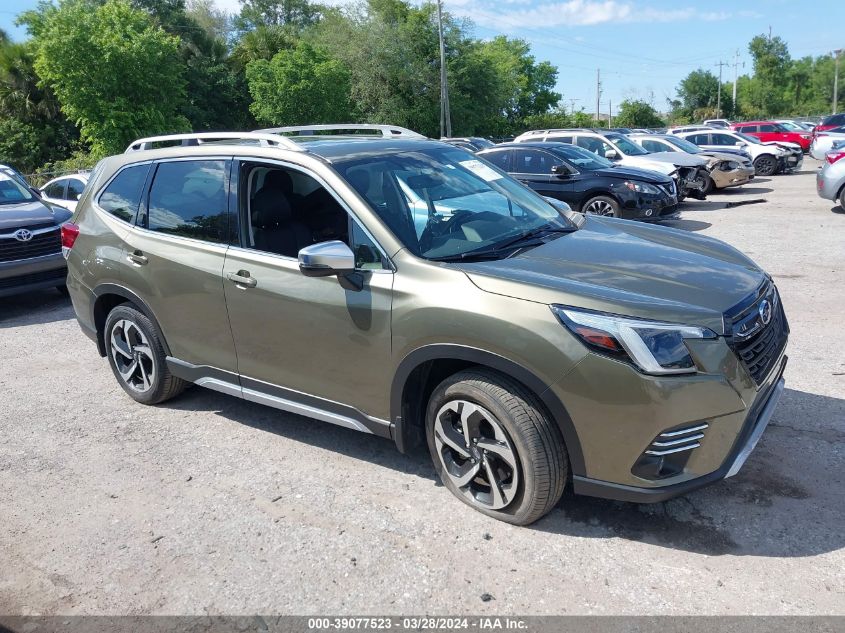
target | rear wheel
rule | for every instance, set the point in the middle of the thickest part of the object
(765, 165)
(137, 357)
(842, 199)
(602, 205)
(494, 447)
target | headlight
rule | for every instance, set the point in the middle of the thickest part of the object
(655, 347)
(641, 187)
(729, 165)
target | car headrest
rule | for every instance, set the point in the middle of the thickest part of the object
(278, 180)
(270, 208)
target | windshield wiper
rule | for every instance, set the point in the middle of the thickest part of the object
(532, 233)
(523, 240)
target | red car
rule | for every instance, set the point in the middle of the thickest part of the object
(771, 131)
(834, 120)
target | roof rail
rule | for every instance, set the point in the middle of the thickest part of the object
(196, 138)
(385, 131)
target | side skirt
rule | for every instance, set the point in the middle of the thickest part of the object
(278, 397)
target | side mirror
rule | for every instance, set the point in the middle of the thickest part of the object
(611, 154)
(560, 171)
(326, 259)
(77, 197)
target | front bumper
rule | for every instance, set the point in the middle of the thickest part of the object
(26, 275)
(650, 207)
(733, 178)
(756, 421)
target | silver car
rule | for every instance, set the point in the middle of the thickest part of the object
(830, 179)
(823, 142)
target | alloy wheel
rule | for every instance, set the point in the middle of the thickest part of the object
(599, 207)
(476, 453)
(132, 356)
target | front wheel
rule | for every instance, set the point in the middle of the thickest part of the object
(137, 357)
(765, 165)
(602, 205)
(709, 186)
(494, 447)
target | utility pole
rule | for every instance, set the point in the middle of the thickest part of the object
(572, 104)
(719, 91)
(836, 80)
(445, 116)
(609, 113)
(736, 77)
(598, 94)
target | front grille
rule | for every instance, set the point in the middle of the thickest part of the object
(48, 243)
(57, 274)
(757, 344)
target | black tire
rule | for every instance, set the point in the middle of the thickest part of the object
(709, 185)
(601, 205)
(530, 434)
(842, 199)
(143, 347)
(63, 290)
(765, 165)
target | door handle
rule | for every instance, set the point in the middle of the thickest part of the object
(242, 278)
(137, 258)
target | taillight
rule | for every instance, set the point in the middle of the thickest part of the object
(832, 157)
(70, 232)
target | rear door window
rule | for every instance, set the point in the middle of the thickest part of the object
(122, 196)
(768, 128)
(56, 190)
(190, 199)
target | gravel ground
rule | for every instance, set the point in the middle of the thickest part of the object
(213, 505)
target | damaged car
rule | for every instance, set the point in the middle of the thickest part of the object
(724, 169)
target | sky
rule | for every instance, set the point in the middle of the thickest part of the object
(642, 48)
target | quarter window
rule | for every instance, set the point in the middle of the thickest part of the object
(74, 188)
(188, 199)
(123, 195)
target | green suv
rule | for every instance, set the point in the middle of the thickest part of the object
(406, 288)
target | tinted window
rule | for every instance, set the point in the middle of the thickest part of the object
(123, 195)
(12, 190)
(656, 146)
(723, 139)
(188, 198)
(767, 128)
(595, 145)
(699, 139)
(533, 161)
(559, 139)
(499, 159)
(747, 128)
(74, 188)
(56, 190)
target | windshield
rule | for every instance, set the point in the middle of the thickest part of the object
(684, 144)
(12, 191)
(791, 127)
(749, 138)
(482, 143)
(583, 159)
(444, 202)
(626, 145)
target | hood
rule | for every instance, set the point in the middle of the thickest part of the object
(679, 159)
(644, 162)
(633, 173)
(720, 156)
(629, 268)
(13, 216)
(786, 145)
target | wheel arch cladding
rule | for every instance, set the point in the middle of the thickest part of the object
(423, 369)
(109, 296)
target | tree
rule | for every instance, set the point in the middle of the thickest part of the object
(771, 68)
(637, 113)
(296, 13)
(298, 86)
(115, 73)
(698, 96)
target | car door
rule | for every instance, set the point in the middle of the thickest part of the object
(306, 341)
(175, 254)
(533, 167)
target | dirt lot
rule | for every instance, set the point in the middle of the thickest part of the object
(212, 505)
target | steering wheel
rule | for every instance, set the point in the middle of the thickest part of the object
(434, 228)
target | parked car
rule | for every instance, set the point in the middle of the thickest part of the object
(682, 129)
(768, 158)
(65, 191)
(471, 143)
(586, 182)
(830, 179)
(688, 172)
(825, 141)
(717, 123)
(30, 245)
(828, 123)
(530, 349)
(724, 169)
(768, 131)
(795, 126)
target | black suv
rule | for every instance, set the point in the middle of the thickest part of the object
(587, 182)
(30, 244)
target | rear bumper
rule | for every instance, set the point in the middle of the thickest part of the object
(752, 430)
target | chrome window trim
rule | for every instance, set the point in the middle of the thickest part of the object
(322, 182)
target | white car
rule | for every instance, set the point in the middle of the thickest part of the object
(768, 158)
(64, 191)
(825, 141)
(689, 172)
